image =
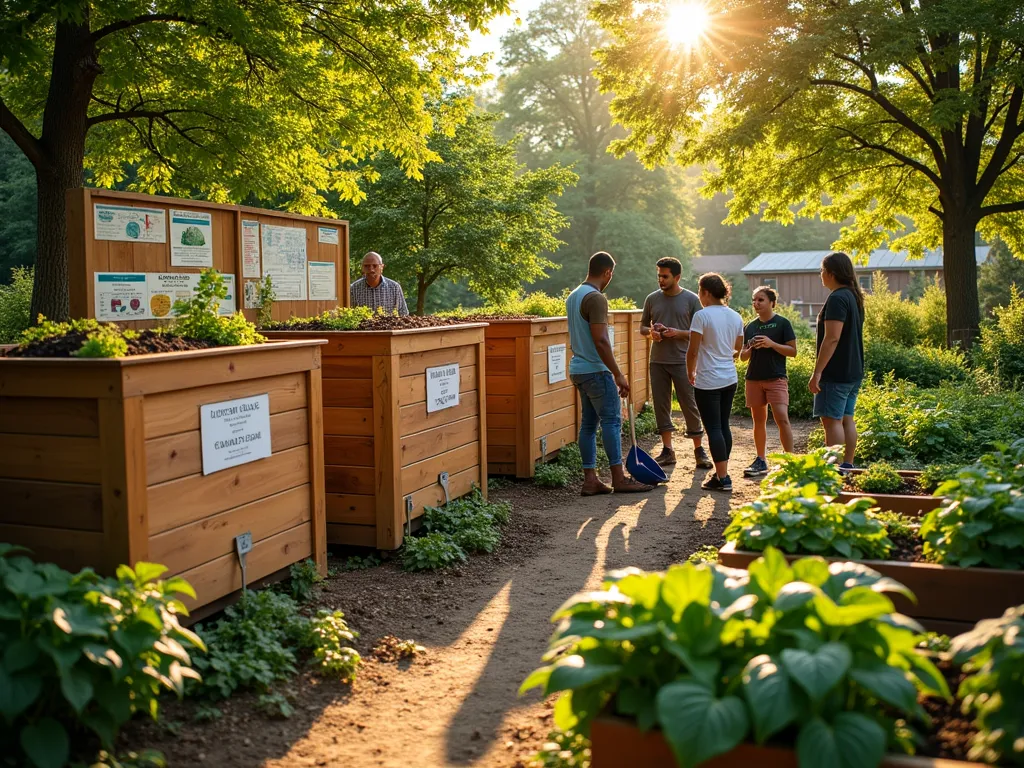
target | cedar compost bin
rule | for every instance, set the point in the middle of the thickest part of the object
(384, 449)
(632, 353)
(101, 463)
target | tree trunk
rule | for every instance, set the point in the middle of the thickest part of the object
(960, 275)
(65, 123)
(421, 293)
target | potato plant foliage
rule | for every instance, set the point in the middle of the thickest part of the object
(880, 477)
(811, 654)
(819, 467)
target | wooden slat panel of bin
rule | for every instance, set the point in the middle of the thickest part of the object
(144, 496)
(388, 447)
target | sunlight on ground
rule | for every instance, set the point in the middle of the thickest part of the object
(625, 516)
(704, 510)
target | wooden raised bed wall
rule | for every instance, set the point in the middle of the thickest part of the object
(101, 463)
(525, 410)
(380, 444)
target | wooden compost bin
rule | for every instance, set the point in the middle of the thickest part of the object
(633, 354)
(529, 417)
(381, 446)
(101, 463)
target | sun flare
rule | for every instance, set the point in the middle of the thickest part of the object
(686, 23)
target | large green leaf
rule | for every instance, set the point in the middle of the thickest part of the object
(770, 572)
(767, 689)
(889, 684)
(703, 669)
(149, 571)
(794, 595)
(20, 654)
(817, 671)
(813, 570)
(686, 584)
(575, 671)
(46, 743)
(697, 725)
(77, 688)
(856, 605)
(852, 740)
(642, 588)
(18, 691)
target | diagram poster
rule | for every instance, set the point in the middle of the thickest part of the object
(284, 259)
(191, 239)
(251, 249)
(229, 304)
(122, 222)
(168, 288)
(323, 281)
(120, 296)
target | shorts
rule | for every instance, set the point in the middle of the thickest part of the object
(761, 392)
(836, 399)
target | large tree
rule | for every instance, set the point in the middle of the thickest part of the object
(548, 93)
(476, 214)
(219, 98)
(869, 108)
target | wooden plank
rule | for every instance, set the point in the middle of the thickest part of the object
(413, 389)
(339, 367)
(123, 480)
(46, 378)
(423, 473)
(439, 440)
(180, 502)
(386, 479)
(348, 393)
(500, 468)
(348, 421)
(501, 420)
(433, 339)
(501, 366)
(51, 505)
(174, 412)
(502, 453)
(540, 344)
(181, 454)
(222, 576)
(552, 422)
(525, 409)
(79, 242)
(554, 400)
(540, 383)
(351, 508)
(341, 478)
(49, 457)
(417, 362)
(501, 404)
(501, 437)
(459, 485)
(71, 550)
(481, 362)
(346, 449)
(204, 540)
(352, 535)
(506, 329)
(49, 416)
(414, 418)
(501, 385)
(503, 347)
(315, 437)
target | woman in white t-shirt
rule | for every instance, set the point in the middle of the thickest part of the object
(716, 338)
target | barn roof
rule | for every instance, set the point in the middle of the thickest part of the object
(883, 259)
(727, 263)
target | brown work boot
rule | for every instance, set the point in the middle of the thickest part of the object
(703, 460)
(629, 485)
(595, 488)
(667, 457)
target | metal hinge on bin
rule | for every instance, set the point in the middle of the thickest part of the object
(243, 546)
(544, 448)
(443, 480)
(408, 515)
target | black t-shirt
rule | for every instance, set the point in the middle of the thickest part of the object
(768, 364)
(847, 363)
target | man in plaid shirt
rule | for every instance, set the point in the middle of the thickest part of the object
(375, 291)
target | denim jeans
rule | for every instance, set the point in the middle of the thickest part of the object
(600, 399)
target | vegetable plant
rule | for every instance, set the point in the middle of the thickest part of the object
(431, 552)
(198, 318)
(799, 520)
(552, 475)
(819, 467)
(880, 477)
(810, 653)
(337, 319)
(935, 475)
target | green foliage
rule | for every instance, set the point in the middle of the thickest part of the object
(563, 749)
(105, 341)
(934, 475)
(357, 563)
(553, 475)
(265, 298)
(931, 315)
(275, 706)
(331, 639)
(982, 520)
(197, 318)
(18, 202)
(997, 278)
(880, 477)
(470, 522)
(305, 580)
(935, 643)
(994, 693)
(83, 654)
(15, 301)
(569, 456)
(799, 370)
(820, 467)
(888, 316)
(646, 423)
(337, 319)
(799, 521)
(704, 554)
(1002, 341)
(801, 327)
(431, 552)
(716, 656)
(921, 365)
(898, 525)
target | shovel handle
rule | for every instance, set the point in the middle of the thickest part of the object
(632, 431)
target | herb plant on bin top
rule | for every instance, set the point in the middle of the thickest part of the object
(810, 654)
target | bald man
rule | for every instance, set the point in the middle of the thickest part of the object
(375, 291)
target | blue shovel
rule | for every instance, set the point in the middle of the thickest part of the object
(640, 464)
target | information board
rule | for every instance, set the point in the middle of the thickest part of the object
(191, 238)
(150, 295)
(125, 223)
(251, 249)
(234, 432)
(323, 284)
(328, 235)
(442, 387)
(284, 259)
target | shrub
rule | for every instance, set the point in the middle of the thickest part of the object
(715, 656)
(16, 304)
(552, 475)
(924, 366)
(197, 318)
(646, 423)
(819, 467)
(470, 522)
(880, 477)
(431, 552)
(798, 520)
(935, 475)
(84, 654)
(887, 316)
(1002, 341)
(931, 315)
(331, 639)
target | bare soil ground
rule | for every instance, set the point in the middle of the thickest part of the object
(484, 625)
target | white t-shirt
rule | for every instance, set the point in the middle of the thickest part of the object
(719, 327)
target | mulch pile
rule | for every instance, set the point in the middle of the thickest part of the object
(147, 343)
(906, 549)
(393, 323)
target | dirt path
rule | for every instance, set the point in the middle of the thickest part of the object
(485, 627)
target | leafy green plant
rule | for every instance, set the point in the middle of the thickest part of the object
(431, 552)
(924, 366)
(275, 705)
(820, 467)
(553, 475)
(716, 656)
(357, 563)
(995, 692)
(934, 642)
(471, 523)
(331, 638)
(265, 298)
(982, 519)
(1002, 341)
(564, 749)
(888, 316)
(105, 341)
(337, 319)
(935, 475)
(705, 554)
(15, 304)
(646, 423)
(305, 580)
(197, 318)
(798, 520)
(898, 525)
(84, 654)
(880, 477)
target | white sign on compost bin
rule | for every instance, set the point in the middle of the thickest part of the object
(556, 363)
(234, 432)
(442, 387)
(611, 337)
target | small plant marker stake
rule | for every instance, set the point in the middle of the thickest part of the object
(443, 480)
(243, 546)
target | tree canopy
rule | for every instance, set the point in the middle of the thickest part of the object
(871, 109)
(475, 215)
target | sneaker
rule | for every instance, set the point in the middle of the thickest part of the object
(757, 468)
(703, 460)
(666, 458)
(715, 483)
(845, 467)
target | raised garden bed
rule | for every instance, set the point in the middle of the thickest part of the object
(910, 501)
(383, 450)
(950, 600)
(101, 462)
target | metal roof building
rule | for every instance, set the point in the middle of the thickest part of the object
(776, 262)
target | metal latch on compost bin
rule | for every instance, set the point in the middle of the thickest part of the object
(243, 546)
(544, 448)
(408, 514)
(443, 480)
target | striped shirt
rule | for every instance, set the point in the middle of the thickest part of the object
(387, 296)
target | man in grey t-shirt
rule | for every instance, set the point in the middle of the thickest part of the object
(666, 320)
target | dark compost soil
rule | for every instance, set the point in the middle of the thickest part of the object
(146, 343)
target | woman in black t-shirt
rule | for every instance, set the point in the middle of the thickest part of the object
(768, 340)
